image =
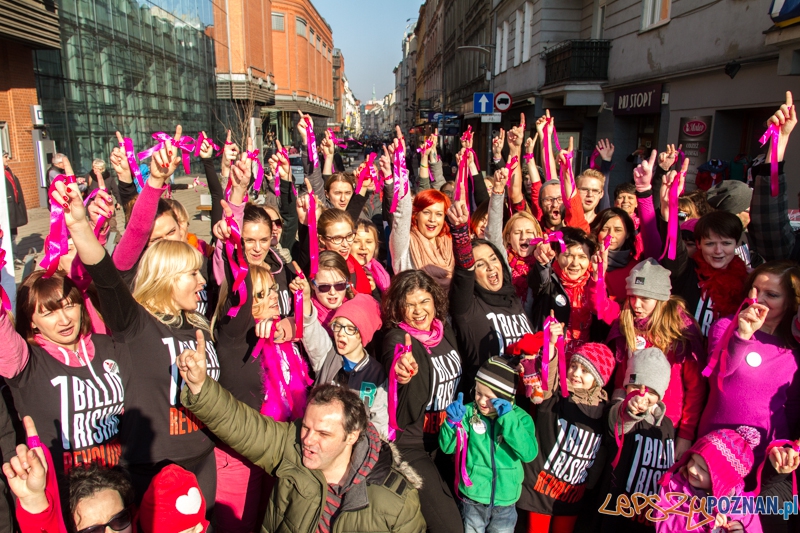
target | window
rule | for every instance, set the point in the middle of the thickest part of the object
(5, 138)
(498, 50)
(300, 26)
(319, 42)
(277, 22)
(655, 12)
(526, 32)
(600, 22)
(504, 52)
(517, 38)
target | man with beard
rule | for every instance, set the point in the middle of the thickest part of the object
(554, 214)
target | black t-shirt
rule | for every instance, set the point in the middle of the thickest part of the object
(153, 409)
(77, 410)
(282, 275)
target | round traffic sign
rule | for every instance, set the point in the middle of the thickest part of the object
(502, 101)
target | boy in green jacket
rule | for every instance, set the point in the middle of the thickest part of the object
(500, 438)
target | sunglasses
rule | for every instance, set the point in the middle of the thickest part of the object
(277, 222)
(326, 287)
(118, 522)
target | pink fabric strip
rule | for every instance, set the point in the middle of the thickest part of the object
(298, 309)
(565, 173)
(337, 141)
(560, 353)
(399, 351)
(720, 352)
(311, 139)
(593, 159)
(313, 238)
(185, 144)
(127, 145)
(600, 269)
(619, 436)
(56, 244)
(100, 219)
(671, 248)
(400, 173)
(773, 135)
(285, 154)
(555, 236)
(235, 251)
(366, 172)
(197, 183)
(528, 157)
(3, 296)
(462, 441)
(778, 443)
(199, 144)
(260, 173)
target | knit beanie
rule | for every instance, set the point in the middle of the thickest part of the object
(496, 374)
(597, 359)
(649, 367)
(729, 456)
(731, 196)
(648, 279)
(172, 503)
(364, 312)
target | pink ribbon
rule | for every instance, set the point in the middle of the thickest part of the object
(400, 173)
(199, 144)
(600, 269)
(555, 236)
(421, 150)
(772, 134)
(720, 352)
(185, 144)
(355, 141)
(593, 158)
(547, 150)
(298, 309)
(292, 394)
(100, 219)
(197, 183)
(463, 168)
(778, 443)
(127, 145)
(236, 259)
(528, 157)
(462, 442)
(337, 141)
(56, 244)
(367, 172)
(565, 173)
(311, 140)
(619, 437)
(285, 154)
(671, 248)
(313, 238)
(399, 351)
(260, 174)
(3, 296)
(560, 353)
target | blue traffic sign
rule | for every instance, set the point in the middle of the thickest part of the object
(483, 103)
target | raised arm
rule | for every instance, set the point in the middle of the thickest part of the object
(314, 175)
(515, 138)
(648, 227)
(606, 150)
(494, 217)
(15, 354)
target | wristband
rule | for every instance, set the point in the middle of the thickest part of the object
(34, 442)
(644, 194)
(528, 157)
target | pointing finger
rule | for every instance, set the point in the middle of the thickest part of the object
(228, 139)
(30, 427)
(178, 132)
(201, 344)
(120, 139)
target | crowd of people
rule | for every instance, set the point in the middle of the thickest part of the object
(390, 350)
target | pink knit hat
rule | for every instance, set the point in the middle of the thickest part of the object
(729, 455)
(597, 359)
(363, 311)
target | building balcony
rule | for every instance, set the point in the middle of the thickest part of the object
(577, 61)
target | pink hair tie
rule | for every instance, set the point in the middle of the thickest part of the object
(34, 442)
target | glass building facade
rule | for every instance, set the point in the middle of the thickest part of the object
(134, 66)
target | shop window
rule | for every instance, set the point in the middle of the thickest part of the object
(655, 12)
(5, 138)
(300, 26)
(277, 22)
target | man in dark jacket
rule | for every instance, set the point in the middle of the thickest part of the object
(333, 472)
(17, 213)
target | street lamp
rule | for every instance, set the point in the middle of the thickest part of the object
(486, 49)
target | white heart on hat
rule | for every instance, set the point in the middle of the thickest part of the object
(189, 503)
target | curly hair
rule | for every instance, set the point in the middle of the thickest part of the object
(394, 302)
(85, 482)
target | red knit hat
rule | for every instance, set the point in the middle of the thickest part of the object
(173, 502)
(529, 344)
(597, 359)
(363, 311)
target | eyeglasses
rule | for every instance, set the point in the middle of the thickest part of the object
(336, 241)
(349, 330)
(263, 294)
(277, 222)
(590, 192)
(553, 200)
(339, 286)
(118, 522)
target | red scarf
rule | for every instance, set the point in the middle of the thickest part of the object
(725, 286)
(361, 280)
(520, 266)
(580, 315)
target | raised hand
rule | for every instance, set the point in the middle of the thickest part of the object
(556, 331)
(667, 159)
(119, 161)
(457, 214)
(515, 136)
(385, 164)
(643, 173)
(530, 143)
(281, 162)
(301, 127)
(69, 196)
(498, 143)
(221, 229)
(165, 161)
(544, 253)
(784, 460)
(406, 366)
(27, 473)
(500, 180)
(502, 407)
(639, 404)
(606, 149)
(327, 146)
(752, 318)
(230, 152)
(456, 410)
(206, 149)
(786, 119)
(101, 205)
(192, 365)
(600, 257)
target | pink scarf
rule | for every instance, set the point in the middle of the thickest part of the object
(325, 315)
(379, 274)
(76, 358)
(429, 339)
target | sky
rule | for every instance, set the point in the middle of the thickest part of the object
(369, 34)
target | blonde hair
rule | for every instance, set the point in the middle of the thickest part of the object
(666, 327)
(514, 219)
(159, 269)
(260, 272)
(592, 173)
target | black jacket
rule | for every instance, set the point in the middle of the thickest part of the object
(17, 212)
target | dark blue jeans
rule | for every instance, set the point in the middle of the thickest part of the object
(480, 518)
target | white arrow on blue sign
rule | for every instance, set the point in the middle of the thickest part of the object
(482, 103)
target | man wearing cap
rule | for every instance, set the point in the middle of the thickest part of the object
(333, 471)
(734, 197)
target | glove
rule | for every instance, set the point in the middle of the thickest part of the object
(503, 407)
(456, 411)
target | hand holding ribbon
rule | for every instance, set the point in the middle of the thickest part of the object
(619, 426)
(555, 236)
(549, 323)
(565, 172)
(164, 156)
(337, 141)
(368, 172)
(670, 188)
(234, 248)
(313, 241)
(282, 170)
(184, 143)
(253, 155)
(128, 164)
(403, 362)
(780, 127)
(56, 243)
(204, 146)
(311, 138)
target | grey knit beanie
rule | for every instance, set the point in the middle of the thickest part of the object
(649, 367)
(731, 196)
(648, 279)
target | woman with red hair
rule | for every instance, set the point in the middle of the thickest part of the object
(420, 239)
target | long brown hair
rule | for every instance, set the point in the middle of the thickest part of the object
(38, 292)
(666, 327)
(789, 274)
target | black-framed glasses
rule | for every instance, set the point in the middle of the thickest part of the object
(118, 522)
(349, 330)
(326, 287)
(263, 294)
(277, 222)
(336, 241)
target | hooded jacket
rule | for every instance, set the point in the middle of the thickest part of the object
(388, 501)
